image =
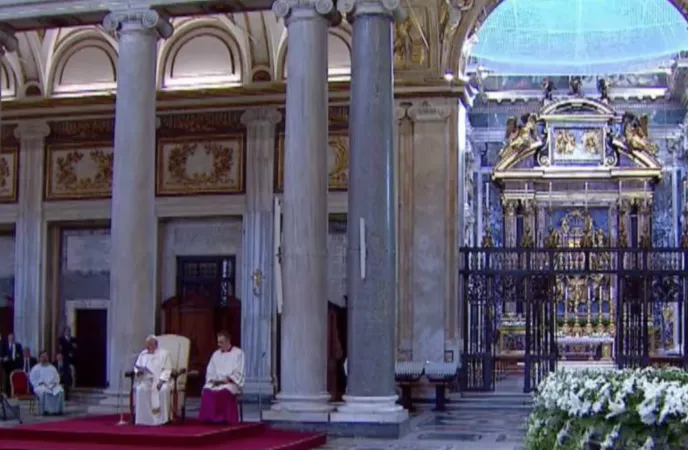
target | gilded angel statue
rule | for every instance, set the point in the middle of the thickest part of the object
(635, 131)
(522, 136)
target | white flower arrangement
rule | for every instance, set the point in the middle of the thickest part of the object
(608, 409)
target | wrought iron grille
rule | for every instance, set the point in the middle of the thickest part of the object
(644, 291)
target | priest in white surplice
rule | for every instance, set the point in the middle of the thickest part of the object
(224, 381)
(45, 382)
(152, 392)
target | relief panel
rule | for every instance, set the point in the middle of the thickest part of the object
(79, 171)
(208, 165)
(337, 161)
(9, 164)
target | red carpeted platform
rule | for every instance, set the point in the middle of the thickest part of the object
(103, 433)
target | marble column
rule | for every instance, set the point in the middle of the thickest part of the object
(303, 379)
(371, 258)
(258, 309)
(30, 237)
(134, 226)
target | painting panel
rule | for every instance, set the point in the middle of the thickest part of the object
(208, 165)
(9, 164)
(337, 161)
(79, 171)
(584, 145)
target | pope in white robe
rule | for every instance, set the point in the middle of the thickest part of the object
(224, 381)
(152, 370)
(45, 381)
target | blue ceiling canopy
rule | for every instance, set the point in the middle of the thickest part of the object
(579, 37)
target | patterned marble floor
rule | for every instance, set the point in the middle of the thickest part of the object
(482, 422)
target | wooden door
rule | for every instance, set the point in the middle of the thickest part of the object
(204, 305)
(91, 348)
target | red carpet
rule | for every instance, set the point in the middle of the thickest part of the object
(103, 433)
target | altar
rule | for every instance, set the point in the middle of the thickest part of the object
(577, 176)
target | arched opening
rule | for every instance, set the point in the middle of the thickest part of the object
(579, 149)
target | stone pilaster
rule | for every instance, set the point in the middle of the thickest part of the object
(371, 257)
(431, 185)
(29, 317)
(134, 226)
(303, 378)
(257, 278)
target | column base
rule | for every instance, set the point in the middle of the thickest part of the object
(369, 410)
(256, 390)
(299, 408)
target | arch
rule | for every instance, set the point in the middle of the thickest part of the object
(203, 53)
(9, 80)
(471, 20)
(84, 62)
(338, 52)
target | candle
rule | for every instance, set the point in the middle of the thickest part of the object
(586, 195)
(487, 197)
(550, 196)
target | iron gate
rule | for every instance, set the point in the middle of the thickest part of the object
(646, 290)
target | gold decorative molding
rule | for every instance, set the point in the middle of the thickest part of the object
(92, 130)
(207, 165)
(79, 171)
(337, 161)
(9, 165)
(412, 52)
(215, 122)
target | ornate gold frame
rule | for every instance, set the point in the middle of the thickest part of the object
(14, 189)
(47, 180)
(240, 137)
(279, 158)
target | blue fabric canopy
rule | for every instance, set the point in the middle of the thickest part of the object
(579, 37)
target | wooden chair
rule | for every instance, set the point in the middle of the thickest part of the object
(21, 388)
(179, 348)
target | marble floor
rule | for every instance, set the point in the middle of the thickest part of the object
(494, 421)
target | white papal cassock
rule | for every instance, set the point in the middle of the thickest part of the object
(152, 405)
(46, 385)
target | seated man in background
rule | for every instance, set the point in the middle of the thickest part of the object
(153, 369)
(224, 380)
(11, 355)
(65, 372)
(45, 382)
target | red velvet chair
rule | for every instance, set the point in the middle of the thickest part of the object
(21, 388)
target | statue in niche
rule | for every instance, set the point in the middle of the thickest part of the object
(547, 90)
(623, 239)
(600, 239)
(527, 240)
(587, 241)
(521, 137)
(603, 90)
(636, 134)
(552, 240)
(645, 241)
(576, 87)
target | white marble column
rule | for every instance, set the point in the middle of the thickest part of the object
(371, 257)
(258, 309)
(303, 379)
(134, 226)
(29, 304)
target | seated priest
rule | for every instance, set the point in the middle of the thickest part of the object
(45, 382)
(224, 380)
(152, 372)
